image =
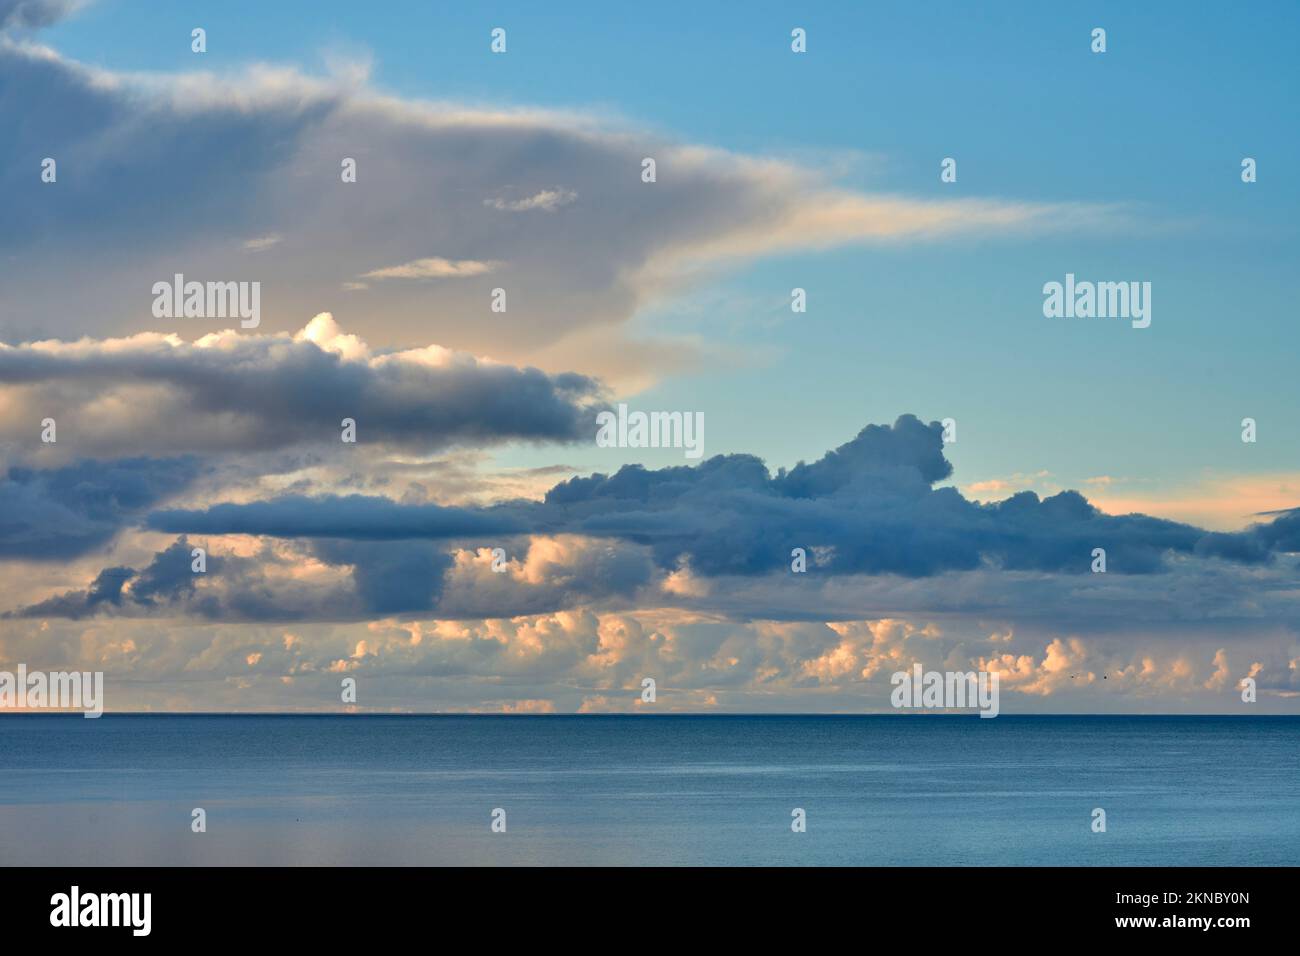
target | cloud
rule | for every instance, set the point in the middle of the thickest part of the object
(867, 507)
(31, 14)
(353, 517)
(718, 538)
(391, 578)
(232, 391)
(1010, 484)
(545, 574)
(433, 268)
(337, 579)
(61, 513)
(167, 580)
(423, 170)
(585, 660)
(548, 200)
(261, 242)
(334, 581)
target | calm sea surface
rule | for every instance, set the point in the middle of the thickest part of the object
(883, 790)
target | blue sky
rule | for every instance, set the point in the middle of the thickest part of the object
(777, 170)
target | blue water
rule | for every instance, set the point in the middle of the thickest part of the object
(884, 790)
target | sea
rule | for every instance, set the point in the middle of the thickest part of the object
(892, 790)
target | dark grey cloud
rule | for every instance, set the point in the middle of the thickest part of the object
(871, 505)
(866, 509)
(61, 513)
(107, 587)
(357, 517)
(252, 392)
(391, 577)
(1279, 674)
(1282, 534)
(32, 14)
(171, 574)
(384, 578)
(167, 580)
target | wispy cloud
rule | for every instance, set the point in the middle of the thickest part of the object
(433, 268)
(261, 243)
(33, 14)
(548, 200)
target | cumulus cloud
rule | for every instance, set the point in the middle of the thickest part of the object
(545, 574)
(584, 660)
(60, 513)
(232, 391)
(167, 579)
(268, 584)
(717, 538)
(867, 507)
(390, 578)
(337, 579)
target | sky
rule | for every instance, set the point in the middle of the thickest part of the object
(476, 429)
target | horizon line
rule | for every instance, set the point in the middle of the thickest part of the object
(466, 713)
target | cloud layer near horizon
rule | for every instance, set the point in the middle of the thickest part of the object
(867, 509)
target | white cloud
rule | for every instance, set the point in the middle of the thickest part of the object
(548, 200)
(261, 243)
(584, 661)
(433, 268)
